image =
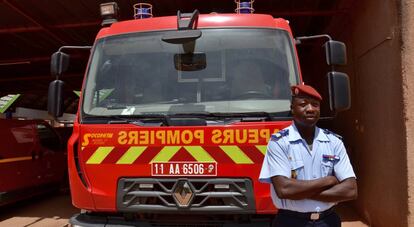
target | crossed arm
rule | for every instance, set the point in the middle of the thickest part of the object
(326, 189)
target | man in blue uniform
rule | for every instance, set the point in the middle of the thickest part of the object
(308, 167)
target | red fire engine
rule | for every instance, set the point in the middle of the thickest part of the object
(175, 114)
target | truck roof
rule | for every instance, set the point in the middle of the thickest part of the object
(213, 20)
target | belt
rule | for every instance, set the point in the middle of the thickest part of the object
(309, 216)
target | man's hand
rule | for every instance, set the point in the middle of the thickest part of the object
(346, 190)
(288, 188)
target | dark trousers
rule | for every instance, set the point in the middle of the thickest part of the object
(283, 220)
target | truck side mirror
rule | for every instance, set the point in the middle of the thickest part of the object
(339, 91)
(59, 63)
(335, 52)
(55, 98)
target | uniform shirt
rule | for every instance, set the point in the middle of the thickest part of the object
(288, 155)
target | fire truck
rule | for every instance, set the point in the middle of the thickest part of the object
(32, 159)
(175, 114)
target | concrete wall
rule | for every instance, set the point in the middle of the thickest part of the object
(375, 127)
(407, 53)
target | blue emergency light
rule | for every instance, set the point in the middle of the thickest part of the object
(142, 10)
(244, 7)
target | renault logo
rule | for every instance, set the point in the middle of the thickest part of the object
(183, 194)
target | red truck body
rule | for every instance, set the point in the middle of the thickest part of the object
(32, 159)
(237, 150)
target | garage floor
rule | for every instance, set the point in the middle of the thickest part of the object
(43, 211)
(55, 210)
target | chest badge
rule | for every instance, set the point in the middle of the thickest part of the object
(327, 157)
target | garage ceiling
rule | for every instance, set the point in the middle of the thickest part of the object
(31, 30)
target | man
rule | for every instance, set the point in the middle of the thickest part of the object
(308, 167)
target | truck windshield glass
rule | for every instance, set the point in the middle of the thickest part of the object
(247, 71)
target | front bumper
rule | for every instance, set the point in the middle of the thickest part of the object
(102, 220)
(189, 202)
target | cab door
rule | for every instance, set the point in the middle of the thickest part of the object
(52, 154)
(18, 158)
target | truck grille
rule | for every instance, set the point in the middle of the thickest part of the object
(169, 195)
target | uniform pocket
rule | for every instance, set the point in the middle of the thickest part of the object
(327, 168)
(297, 169)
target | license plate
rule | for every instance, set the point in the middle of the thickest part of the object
(184, 169)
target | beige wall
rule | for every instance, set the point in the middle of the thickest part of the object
(375, 127)
(407, 53)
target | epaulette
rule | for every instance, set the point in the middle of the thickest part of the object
(280, 134)
(327, 132)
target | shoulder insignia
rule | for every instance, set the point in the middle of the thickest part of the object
(280, 134)
(328, 132)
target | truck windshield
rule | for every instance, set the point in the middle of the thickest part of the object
(246, 71)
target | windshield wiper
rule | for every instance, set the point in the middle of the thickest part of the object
(225, 115)
(246, 116)
(146, 119)
(139, 120)
(111, 120)
(266, 116)
(117, 106)
(164, 119)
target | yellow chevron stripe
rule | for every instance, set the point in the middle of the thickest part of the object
(237, 155)
(99, 155)
(166, 154)
(131, 155)
(262, 148)
(199, 154)
(23, 158)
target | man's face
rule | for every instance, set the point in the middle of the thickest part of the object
(305, 110)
